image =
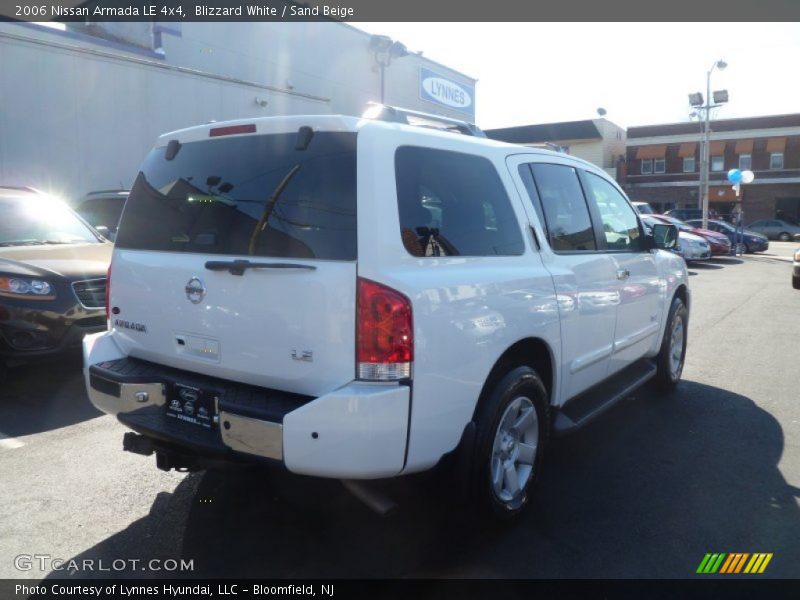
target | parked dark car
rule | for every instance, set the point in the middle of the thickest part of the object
(777, 229)
(719, 242)
(752, 242)
(102, 210)
(53, 269)
(685, 214)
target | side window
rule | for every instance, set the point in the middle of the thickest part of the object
(453, 204)
(569, 226)
(620, 225)
(527, 179)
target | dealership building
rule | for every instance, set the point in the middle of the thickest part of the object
(84, 102)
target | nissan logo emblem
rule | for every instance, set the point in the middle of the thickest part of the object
(195, 290)
(188, 395)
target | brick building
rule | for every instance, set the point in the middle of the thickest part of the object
(663, 165)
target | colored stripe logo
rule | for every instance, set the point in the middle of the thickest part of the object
(734, 563)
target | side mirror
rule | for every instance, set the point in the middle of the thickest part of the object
(664, 237)
(103, 230)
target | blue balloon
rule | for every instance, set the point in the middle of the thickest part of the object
(735, 176)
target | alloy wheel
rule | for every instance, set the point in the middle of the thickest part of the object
(514, 451)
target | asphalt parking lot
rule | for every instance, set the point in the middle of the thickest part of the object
(645, 491)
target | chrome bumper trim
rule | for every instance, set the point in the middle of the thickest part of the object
(252, 436)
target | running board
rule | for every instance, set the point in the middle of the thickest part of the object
(582, 409)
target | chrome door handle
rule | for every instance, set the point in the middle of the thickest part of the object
(623, 274)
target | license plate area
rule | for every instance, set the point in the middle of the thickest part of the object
(192, 405)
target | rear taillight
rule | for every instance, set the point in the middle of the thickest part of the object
(385, 334)
(108, 293)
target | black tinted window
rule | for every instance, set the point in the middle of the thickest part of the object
(568, 223)
(211, 197)
(102, 211)
(453, 204)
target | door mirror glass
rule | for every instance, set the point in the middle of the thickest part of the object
(665, 237)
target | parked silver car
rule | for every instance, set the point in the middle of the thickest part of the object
(776, 229)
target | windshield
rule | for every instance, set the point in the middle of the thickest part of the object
(228, 196)
(35, 220)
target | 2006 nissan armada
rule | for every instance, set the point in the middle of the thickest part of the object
(358, 298)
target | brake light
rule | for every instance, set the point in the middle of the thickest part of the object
(108, 293)
(231, 130)
(384, 334)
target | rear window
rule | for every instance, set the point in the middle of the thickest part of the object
(213, 197)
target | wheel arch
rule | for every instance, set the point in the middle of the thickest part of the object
(682, 293)
(533, 352)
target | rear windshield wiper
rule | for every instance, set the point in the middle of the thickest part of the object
(268, 208)
(238, 267)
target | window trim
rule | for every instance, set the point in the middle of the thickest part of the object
(711, 164)
(772, 156)
(656, 170)
(647, 161)
(750, 158)
(694, 164)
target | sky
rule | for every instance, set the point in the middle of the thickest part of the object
(640, 73)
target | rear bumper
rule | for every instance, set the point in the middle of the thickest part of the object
(356, 431)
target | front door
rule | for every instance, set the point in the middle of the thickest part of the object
(637, 281)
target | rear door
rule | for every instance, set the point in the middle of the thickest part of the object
(583, 275)
(179, 296)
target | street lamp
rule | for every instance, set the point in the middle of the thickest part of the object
(385, 50)
(696, 100)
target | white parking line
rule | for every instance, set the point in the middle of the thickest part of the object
(8, 442)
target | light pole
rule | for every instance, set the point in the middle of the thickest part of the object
(696, 100)
(385, 49)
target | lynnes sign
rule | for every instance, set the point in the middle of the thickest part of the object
(435, 88)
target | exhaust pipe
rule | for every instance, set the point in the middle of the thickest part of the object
(378, 502)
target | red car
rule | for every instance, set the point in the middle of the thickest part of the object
(719, 243)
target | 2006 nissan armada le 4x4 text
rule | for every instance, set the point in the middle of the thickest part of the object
(360, 298)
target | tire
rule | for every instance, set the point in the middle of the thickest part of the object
(670, 359)
(784, 237)
(795, 285)
(513, 427)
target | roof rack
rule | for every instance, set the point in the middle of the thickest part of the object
(21, 188)
(550, 146)
(394, 114)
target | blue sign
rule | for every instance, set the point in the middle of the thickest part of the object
(441, 90)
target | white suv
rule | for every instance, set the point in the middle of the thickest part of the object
(361, 298)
